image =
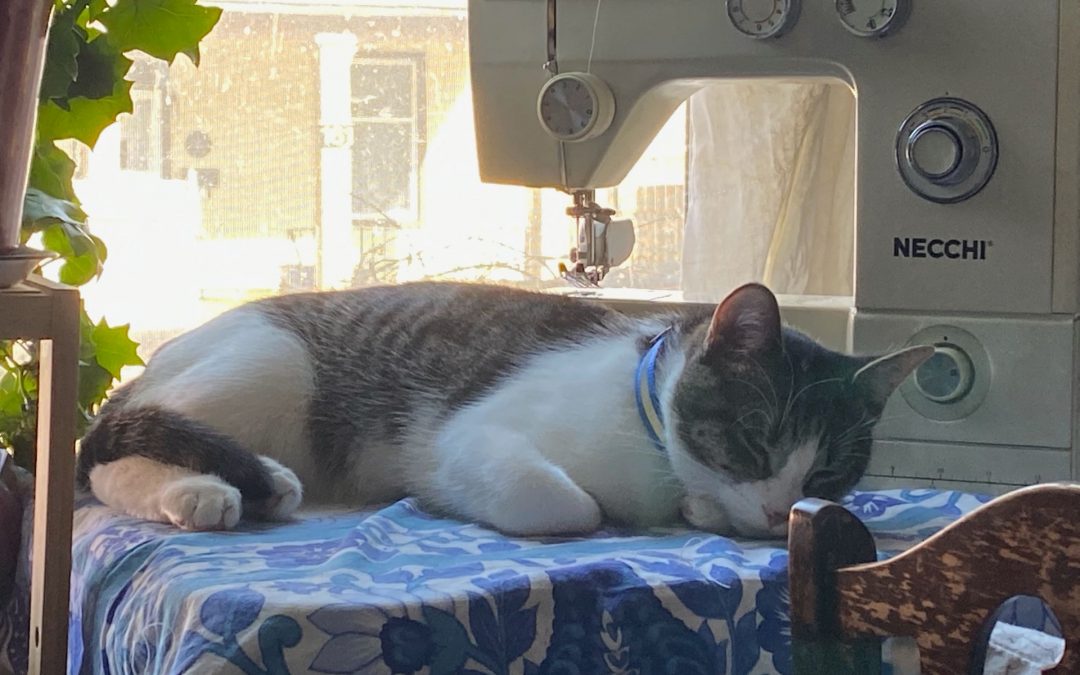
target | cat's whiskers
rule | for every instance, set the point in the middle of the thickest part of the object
(793, 398)
(865, 421)
(756, 411)
(768, 380)
(851, 439)
(762, 431)
(770, 415)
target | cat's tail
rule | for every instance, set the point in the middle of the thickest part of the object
(170, 438)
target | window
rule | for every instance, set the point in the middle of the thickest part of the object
(386, 111)
(330, 144)
(142, 132)
(80, 154)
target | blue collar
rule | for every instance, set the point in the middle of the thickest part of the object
(648, 399)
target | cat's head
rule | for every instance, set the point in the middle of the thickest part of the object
(763, 416)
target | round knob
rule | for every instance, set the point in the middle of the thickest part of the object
(762, 19)
(946, 150)
(575, 106)
(872, 18)
(934, 150)
(946, 376)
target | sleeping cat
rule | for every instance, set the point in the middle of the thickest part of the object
(535, 414)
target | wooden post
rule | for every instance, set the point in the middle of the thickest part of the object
(822, 537)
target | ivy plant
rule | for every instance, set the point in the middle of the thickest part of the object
(83, 91)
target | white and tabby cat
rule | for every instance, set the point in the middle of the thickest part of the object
(535, 414)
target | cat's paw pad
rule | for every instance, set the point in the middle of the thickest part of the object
(705, 514)
(287, 493)
(201, 503)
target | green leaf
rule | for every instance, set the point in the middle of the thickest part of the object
(95, 9)
(11, 398)
(82, 243)
(51, 171)
(61, 57)
(193, 54)
(101, 68)
(41, 208)
(30, 382)
(114, 348)
(160, 28)
(69, 240)
(85, 118)
(80, 253)
(63, 229)
(56, 239)
(94, 383)
(100, 248)
(86, 337)
(80, 269)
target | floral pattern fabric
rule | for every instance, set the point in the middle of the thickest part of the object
(399, 591)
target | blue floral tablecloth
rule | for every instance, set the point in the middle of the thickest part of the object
(398, 591)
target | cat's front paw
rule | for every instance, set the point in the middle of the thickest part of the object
(544, 501)
(201, 503)
(705, 514)
(287, 493)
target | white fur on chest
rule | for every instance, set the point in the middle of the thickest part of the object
(576, 406)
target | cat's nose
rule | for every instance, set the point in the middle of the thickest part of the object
(774, 518)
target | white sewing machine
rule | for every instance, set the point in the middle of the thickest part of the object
(967, 176)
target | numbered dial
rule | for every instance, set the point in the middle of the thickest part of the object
(575, 106)
(946, 376)
(946, 150)
(762, 19)
(872, 18)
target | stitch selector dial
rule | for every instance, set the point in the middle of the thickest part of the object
(872, 18)
(952, 383)
(762, 19)
(946, 150)
(946, 376)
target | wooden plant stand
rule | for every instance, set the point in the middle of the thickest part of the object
(42, 310)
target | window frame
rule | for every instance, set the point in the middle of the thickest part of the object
(374, 216)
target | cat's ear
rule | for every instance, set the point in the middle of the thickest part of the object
(880, 378)
(747, 321)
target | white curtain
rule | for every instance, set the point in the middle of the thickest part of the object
(771, 189)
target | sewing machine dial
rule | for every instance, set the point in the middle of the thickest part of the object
(872, 18)
(575, 106)
(946, 150)
(762, 19)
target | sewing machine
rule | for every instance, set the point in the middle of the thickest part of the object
(967, 177)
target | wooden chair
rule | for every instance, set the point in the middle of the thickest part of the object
(940, 592)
